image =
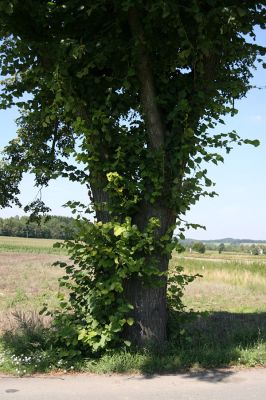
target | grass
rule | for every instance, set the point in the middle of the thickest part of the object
(227, 326)
(29, 245)
(29, 281)
(212, 255)
(232, 286)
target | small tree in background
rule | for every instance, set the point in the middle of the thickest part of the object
(254, 250)
(199, 247)
(221, 248)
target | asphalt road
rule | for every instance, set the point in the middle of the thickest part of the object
(207, 385)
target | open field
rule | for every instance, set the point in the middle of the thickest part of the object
(236, 285)
(211, 255)
(28, 245)
(227, 324)
(28, 280)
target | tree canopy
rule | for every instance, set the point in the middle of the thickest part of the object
(123, 97)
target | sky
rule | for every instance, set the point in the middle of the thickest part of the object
(240, 209)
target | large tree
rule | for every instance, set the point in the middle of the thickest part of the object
(123, 96)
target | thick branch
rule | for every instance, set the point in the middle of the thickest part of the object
(148, 95)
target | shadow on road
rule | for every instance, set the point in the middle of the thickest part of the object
(213, 375)
(206, 375)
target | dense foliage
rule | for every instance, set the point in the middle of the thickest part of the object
(56, 227)
(123, 96)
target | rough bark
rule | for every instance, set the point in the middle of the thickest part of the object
(150, 309)
(150, 314)
(100, 198)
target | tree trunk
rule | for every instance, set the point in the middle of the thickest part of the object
(149, 302)
(100, 198)
(150, 314)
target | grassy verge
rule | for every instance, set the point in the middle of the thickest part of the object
(227, 326)
(215, 340)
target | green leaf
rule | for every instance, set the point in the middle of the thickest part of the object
(118, 230)
(241, 11)
(82, 334)
(254, 143)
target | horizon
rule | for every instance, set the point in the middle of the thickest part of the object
(239, 239)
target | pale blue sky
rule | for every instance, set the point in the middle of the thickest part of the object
(240, 209)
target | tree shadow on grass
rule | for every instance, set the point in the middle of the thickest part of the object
(200, 345)
(210, 341)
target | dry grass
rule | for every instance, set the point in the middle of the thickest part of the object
(226, 256)
(232, 286)
(28, 280)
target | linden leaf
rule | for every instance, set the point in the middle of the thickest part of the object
(130, 321)
(118, 230)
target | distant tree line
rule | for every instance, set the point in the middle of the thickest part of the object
(258, 248)
(56, 227)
